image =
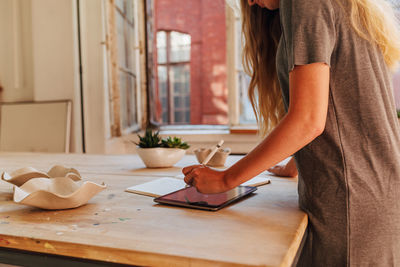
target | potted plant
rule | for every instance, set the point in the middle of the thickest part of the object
(156, 152)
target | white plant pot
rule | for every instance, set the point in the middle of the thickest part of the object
(160, 157)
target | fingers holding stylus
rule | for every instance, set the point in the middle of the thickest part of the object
(191, 173)
(188, 169)
(207, 180)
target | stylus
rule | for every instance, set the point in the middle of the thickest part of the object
(209, 156)
(212, 153)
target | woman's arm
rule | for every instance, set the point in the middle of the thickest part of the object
(287, 170)
(305, 120)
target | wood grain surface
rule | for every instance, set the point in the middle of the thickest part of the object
(262, 230)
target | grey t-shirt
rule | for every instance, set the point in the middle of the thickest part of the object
(349, 177)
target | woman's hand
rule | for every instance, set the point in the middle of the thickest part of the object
(206, 180)
(288, 170)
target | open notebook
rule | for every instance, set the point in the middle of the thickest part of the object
(166, 185)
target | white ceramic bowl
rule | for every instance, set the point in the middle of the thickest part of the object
(23, 175)
(160, 157)
(56, 193)
(219, 158)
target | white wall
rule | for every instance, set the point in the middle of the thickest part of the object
(95, 75)
(16, 69)
(39, 55)
(56, 59)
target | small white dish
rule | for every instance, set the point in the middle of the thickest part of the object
(21, 176)
(56, 193)
(160, 157)
(219, 158)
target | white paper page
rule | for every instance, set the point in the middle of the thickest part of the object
(158, 187)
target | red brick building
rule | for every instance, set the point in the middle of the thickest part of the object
(200, 24)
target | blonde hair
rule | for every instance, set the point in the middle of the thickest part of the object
(373, 20)
(261, 30)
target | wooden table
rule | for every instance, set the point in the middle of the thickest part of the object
(263, 230)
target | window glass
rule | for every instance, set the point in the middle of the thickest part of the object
(162, 90)
(161, 47)
(120, 4)
(173, 71)
(180, 47)
(121, 36)
(131, 101)
(181, 93)
(123, 91)
(123, 85)
(246, 110)
(128, 97)
(131, 56)
(190, 41)
(130, 12)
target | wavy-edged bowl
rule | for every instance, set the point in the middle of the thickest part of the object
(56, 193)
(61, 171)
(21, 176)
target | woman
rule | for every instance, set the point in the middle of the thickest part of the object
(332, 59)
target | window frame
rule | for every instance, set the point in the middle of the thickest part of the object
(169, 64)
(115, 68)
(96, 73)
(233, 70)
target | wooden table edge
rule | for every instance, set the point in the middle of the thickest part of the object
(294, 247)
(98, 253)
(123, 256)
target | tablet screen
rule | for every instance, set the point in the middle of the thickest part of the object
(190, 197)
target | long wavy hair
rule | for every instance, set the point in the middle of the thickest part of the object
(373, 20)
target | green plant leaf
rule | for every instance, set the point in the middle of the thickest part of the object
(174, 142)
(149, 139)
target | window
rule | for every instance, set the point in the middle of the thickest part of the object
(196, 65)
(123, 58)
(173, 75)
(246, 111)
(190, 70)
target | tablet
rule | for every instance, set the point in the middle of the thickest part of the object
(189, 197)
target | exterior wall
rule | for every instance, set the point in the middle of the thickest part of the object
(205, 21)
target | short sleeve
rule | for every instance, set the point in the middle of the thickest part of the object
(309, 33)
